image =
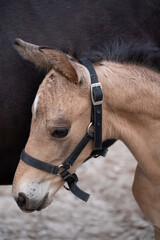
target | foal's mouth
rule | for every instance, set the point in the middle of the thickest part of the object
(43, 203)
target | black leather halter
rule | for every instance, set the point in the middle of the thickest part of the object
(96, 121)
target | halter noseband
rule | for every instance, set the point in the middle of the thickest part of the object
(99, 148)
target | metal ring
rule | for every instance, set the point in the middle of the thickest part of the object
(89, 126)
(61, 165)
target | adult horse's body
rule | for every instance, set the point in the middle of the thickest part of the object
(61, 114)
(88, 27)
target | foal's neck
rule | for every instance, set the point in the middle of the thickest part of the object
(131, 109)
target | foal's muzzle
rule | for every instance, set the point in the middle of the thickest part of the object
(29, 205)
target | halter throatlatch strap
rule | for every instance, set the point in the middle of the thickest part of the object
(96, 120)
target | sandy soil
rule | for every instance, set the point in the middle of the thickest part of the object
(110, 214)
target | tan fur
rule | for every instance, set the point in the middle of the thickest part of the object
(130, 113)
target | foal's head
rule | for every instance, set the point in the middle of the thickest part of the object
(60, 116)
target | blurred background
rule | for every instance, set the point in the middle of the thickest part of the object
(111, 212)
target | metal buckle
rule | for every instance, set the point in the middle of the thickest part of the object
(95, 85)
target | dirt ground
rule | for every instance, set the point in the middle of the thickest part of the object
(110, 214)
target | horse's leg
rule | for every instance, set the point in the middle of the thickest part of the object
(147, 195)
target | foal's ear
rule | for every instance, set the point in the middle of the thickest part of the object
(60, 63)
(47, 58)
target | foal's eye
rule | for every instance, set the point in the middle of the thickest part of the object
(60, 132)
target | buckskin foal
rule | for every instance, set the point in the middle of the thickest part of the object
(61, 115)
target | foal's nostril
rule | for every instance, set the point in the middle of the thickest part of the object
(22, 200)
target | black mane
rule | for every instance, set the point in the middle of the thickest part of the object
(146, 53)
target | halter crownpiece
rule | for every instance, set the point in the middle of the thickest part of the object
(99, 148)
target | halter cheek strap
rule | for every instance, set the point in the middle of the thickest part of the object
(97, 100)
(96, 121)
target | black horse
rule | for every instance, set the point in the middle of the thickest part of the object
(118, 30)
